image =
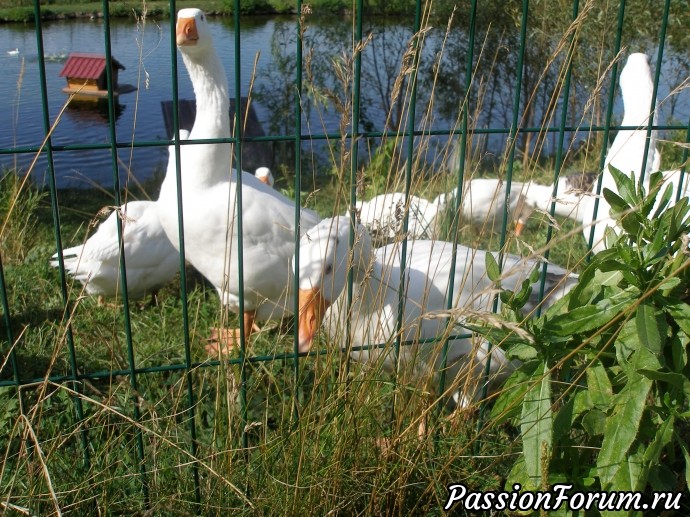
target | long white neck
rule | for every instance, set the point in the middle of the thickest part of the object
(637, 101)
(211, 91)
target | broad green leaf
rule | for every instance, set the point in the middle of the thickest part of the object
(608, 278)
(567, 415)
(675, 379)
(537, 424)
(618, 204)
(574, 321)
(563, 420)
(622, 425)
(679, 353)
(663, 437)
(625, 185)
(583, 402)
(581, 294)
(651, 329)
(594, 422)
(523, 352)
(518, 474)
(669, 283)
(662, 478)
(632, 223)
(508, 404)
(492, 270)
(588, 317)
(662, 203)
(626, 343)
(503, 336)
(627, 478)
(680, 312)
(599, 385)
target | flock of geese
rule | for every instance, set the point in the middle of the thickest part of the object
(327, 252)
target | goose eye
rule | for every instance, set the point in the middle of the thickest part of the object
(328, 270)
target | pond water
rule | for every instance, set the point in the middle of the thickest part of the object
(145, 52)
(144, 49)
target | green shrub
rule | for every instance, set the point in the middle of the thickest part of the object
(19, 14)
(603, 393)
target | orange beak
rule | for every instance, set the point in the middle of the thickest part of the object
(312, 306)
(186, 33)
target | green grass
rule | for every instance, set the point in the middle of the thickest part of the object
(326, 459)
(329, 459)
(11, 12)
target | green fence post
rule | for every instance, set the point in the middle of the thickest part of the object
(409, 134)
(188, 374)
(609, 114)
(559, 149)
(460, 188)
(655, 88)
(123, 268)
(512, 142)
(74, 375)
(298, 188)
(237, 142)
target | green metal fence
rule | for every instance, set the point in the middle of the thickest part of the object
(192, 466)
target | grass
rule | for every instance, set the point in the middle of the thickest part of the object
(11, 12)
(346, 452)
(329, 458)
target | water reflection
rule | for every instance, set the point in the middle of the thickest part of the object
(267, 70)
(93, 110)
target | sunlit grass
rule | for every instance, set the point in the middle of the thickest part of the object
(323, 438)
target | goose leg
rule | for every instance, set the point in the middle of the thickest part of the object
(222, 341)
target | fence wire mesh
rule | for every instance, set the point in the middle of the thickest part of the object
(146, 401)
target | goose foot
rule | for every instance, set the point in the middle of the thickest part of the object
(222, 341)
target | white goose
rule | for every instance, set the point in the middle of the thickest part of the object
(265, 176)
(383, 215)
(324, 261)
(209, 197)
(627, 150)
(484, 199)
(571, 191)
(150, 259)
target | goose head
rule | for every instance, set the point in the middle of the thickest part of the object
(521, 214)
(192, 33)
(264, 175)
(324, 261)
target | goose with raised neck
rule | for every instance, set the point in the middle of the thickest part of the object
(209, 200)
(627, 150)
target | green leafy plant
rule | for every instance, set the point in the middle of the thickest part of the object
(601, 398)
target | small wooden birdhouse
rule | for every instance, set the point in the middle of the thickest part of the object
(86, 75)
